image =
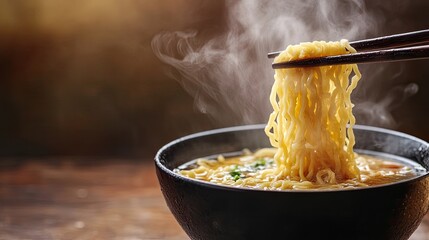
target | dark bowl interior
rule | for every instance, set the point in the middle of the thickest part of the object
(208, 211)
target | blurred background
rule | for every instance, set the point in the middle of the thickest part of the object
(80, 77)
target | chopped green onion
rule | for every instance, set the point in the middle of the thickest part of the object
(260, 162)
(236, 177)
(235, 173)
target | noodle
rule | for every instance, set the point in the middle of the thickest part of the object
(311, 130)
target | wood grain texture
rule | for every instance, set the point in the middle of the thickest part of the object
(79, 198)
(72, 199)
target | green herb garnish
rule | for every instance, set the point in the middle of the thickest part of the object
(260, 163)
(235, 173)
(236, 177)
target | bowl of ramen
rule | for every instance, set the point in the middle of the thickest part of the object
(206, 210)
(309, 173)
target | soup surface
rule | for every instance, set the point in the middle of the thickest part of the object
(258, 170)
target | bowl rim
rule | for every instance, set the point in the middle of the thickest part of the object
(173, 174)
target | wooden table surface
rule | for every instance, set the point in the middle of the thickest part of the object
(83, 198)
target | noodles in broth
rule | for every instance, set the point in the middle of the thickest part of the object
(311, 131)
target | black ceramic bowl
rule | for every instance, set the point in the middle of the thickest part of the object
(207, 211)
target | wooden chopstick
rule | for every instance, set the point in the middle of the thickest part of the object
(397, 40)
(389, 55)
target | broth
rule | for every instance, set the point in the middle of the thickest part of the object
(257, 170)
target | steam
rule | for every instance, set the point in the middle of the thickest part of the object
(379, 112)
(229, 75)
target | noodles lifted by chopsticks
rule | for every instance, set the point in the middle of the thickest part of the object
(311, 130)
(312, 109)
